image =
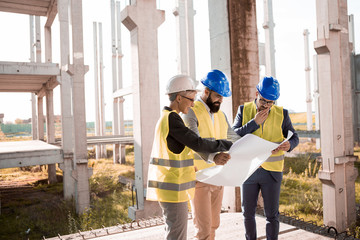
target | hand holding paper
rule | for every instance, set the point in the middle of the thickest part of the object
(247, 154)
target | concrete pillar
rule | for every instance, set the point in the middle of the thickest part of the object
(244, 51)
(67, 119)
(34, 127)
(115, 123)
(38, 60)
(307, 79)
(268, 25)
(244, 58)
(220, 59)
(145, 73)
(82, 172)
(102, 95)
(121, 122)
(50, 131)
(50, 124)
(96, 88)
(184, 15)
(38, 39)
(99, 89)
(40, 120)
(118, 125)
(48, 45)
(33, 98)
(337, 143)
(316, 98)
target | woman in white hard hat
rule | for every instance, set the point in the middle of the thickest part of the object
(171, 176)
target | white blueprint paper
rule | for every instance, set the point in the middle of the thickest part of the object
(247, 154)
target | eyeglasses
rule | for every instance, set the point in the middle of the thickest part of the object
(264, 102)
(192, 100)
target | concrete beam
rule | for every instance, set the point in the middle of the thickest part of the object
(24, 7)
(28, 153)
(28, 68)
(123, 92)
(51, 13)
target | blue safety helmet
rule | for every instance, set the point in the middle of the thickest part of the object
(216, 81)
(269, 88)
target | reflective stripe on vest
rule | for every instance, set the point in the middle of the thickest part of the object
(172, 163)
(171, 177)
(270, 130)
(208, 129)
(171, 186)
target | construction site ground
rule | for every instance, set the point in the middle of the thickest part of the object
(231, 228)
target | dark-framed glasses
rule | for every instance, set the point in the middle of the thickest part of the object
(264, 102)
(192, 100)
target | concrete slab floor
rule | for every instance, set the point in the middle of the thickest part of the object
(231, 227)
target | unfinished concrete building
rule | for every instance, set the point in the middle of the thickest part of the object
(40, 78)
(234, 50)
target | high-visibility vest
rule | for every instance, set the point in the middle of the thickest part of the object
(171, 177)
(209, 130)
(270, 130)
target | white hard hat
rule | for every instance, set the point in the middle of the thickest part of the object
(180, 83)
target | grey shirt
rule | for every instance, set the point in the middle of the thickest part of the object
(192, 123)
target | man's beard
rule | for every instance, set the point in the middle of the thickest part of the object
(214, 106)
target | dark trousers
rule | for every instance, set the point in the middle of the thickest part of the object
(269, 183)
(176, 219)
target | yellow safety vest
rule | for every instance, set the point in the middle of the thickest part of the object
(270, 130)
(209, 130)
(171, 177)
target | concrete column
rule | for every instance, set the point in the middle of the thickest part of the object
(33, 98)
(115, 123)
(40, 118)
(220, 59)
(145, 73)
(48, 45)
(50, 125)
(38, 39)
(38, 60)
(99, 89)
(316, 98)
(96, 88)
(50, 131)
(34, 126)
(121, 100)
(244, 58)
(268, 25)
(337, 143)
(184, 15)
(307, 79)
(243, 50)
(82, 172)
(102, 96)
(67, 119)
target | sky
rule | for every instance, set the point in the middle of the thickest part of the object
(291, 17)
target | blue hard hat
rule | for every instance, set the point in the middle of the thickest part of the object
(217, 81)
(269, 88)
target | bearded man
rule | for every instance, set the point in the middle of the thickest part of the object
(206, 119)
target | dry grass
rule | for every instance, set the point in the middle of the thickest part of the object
(300, 117)
(33, 204)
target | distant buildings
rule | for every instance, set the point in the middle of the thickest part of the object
(1, 118)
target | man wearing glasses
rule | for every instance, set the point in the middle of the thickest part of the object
(208, 122)
(270, 122)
